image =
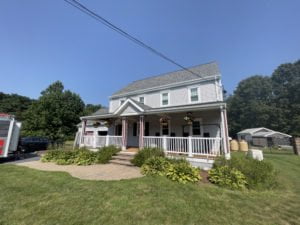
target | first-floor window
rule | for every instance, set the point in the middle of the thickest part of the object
(196, 128)
(165, 129)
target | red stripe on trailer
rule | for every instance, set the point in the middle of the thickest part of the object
(2, 142)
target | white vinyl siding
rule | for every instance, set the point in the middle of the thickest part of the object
(174, 97)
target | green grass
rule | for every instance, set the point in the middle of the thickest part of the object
(30, 196)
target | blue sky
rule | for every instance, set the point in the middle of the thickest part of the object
(45, 41)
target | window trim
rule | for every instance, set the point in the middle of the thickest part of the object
(161, 98)
(169, 129)
(190, 94)
(201, 128)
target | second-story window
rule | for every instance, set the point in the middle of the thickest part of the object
(142, 100)
(194, 96)
(165, 98)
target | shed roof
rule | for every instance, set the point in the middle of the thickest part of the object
(254, 130)
(262, 132)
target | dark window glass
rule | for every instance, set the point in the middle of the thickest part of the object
(196, 128)
(147, 128)
(118, 130)
(102, 133)
(165, 129)
(134, 130)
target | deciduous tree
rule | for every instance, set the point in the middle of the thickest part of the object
(55, 114)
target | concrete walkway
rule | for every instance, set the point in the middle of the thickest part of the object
(93, 172)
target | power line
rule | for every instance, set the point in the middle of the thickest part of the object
(105, 22)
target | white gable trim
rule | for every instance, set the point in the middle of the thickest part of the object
(125, 104)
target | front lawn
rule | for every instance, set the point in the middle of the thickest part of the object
(30, 196)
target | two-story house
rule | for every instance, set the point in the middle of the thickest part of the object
(182, 112)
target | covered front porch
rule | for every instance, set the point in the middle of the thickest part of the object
(194, 134)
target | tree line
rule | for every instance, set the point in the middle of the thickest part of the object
(258, 101)
(267, 101)
(54, 114)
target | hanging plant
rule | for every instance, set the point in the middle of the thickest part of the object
(96, 124)
(164, 121)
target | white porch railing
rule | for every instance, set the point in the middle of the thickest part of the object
(101, 141)
(190, 146)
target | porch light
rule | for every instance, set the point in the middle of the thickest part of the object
(188, 118)
(107, 123)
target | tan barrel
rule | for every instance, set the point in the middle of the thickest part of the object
(234, 146)
(243, 146)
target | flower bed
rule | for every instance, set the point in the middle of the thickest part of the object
(80, 156)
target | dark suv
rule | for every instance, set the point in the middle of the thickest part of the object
(31, 144)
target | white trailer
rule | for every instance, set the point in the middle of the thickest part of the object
(9, 135)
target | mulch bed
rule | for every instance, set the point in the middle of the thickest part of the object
(204, 175)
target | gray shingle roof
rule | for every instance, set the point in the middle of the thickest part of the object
(143, 106)
(101, 111)
(204, 70)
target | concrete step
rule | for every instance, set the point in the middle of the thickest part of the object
(125, 153)
(121, 162)
(123, 157)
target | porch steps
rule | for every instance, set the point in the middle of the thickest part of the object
(123, 158)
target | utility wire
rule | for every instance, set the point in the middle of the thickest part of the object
(105, 22)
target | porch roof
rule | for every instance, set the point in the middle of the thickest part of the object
(159, 110)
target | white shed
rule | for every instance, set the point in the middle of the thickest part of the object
(264, 137)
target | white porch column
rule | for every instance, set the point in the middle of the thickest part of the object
(81, 139)
(164, 144)
(190, 146)
(107, 140)
(224, 133)
(141, 134)
(124, 133)
(95, 140)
